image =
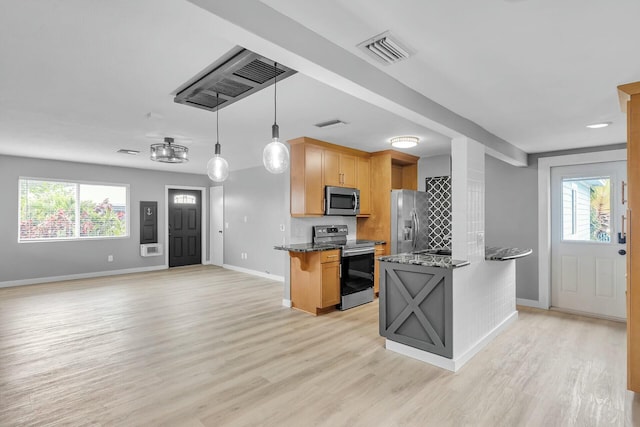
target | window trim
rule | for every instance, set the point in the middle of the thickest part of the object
(78, 238)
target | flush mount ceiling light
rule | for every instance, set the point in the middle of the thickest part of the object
(404, 141)
(217, 167)
(275, 156)
(598, 125)
(168, 152)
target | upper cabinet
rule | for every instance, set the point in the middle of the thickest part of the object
(393, 170)
(315, 164)
(339, 169)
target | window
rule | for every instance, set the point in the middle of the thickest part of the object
(57, 210)
(184, 199)
(586, 209)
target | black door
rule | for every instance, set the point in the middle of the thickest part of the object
(185, 238)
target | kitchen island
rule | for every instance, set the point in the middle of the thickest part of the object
(442, 310)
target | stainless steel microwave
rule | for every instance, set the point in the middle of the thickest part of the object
(341, 201)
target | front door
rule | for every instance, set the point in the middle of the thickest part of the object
(185, 232)
(588, 261)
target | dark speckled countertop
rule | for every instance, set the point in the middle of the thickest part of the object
(427, 260)
(311, 247)
(499, 253)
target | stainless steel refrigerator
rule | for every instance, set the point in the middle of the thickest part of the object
(422, 220)
(409, 221)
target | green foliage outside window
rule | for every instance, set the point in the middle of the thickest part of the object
(48, 210)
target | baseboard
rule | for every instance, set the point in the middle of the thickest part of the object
(421, 355)
(530, 303)
(455, 364)
(286, 303)
(254, 272)
(35, 281)
(587, 314)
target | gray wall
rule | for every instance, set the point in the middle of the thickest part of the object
(260, 197)
(511, 211)
(511, 217)
(26, 261)
(433, 166)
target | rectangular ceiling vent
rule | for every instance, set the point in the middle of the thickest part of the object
(330, 123)
(385, 48)
(236, 75)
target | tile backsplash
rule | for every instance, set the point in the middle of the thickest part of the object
(439, 211)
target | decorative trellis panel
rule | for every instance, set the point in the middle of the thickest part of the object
(416, 306)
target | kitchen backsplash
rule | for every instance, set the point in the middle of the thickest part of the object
(301, 228)
(439, 190)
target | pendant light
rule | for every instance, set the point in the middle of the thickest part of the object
(217, 167)
(275, 155)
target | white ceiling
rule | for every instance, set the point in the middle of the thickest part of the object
(78, 77)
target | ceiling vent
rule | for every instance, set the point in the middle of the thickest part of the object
(330, 123)
(385, 48)
(234, 76)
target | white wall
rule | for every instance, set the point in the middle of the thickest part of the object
(22, 263)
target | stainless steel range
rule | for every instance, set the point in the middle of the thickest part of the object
(356, 264)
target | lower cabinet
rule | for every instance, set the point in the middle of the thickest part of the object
(315, 280)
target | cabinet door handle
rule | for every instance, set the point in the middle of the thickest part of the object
(332, 256)
(624, 228)
(624, 184)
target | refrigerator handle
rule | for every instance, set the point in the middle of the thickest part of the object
(416, 227)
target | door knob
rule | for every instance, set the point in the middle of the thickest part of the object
(622, 252)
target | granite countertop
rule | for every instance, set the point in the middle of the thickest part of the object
(498, 253)
(311, 247)
(427, 260)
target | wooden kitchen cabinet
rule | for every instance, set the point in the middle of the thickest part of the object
(339, 169)
(363, 183)
(392, 170)
(379, 251)
(315, 280)
(316, 163)
(307, 189)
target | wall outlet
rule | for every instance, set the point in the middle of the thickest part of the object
(245, 218)
(109, 258)
(281, 227)
(226, 225)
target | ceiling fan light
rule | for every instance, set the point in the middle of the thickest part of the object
(167, 152)
(404, 141)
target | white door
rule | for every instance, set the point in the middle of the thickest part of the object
(217, 225)
(587, 271)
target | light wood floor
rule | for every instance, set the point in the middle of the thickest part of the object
(206, 346)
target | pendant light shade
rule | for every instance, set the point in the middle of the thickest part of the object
(217, 167)
(275, 156)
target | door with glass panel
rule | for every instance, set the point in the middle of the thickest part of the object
(588, 258)
(185, 222)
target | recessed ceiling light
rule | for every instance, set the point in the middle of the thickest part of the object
(127, 151)
(598, 125)
(404, 141)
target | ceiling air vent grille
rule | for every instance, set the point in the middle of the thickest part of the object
(385, 48)
(234, 76)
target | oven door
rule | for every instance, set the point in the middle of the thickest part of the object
(356, 270)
